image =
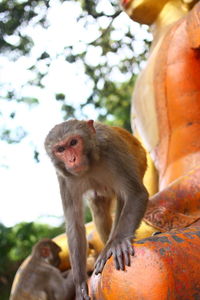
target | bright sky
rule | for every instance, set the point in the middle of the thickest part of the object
(29, 191)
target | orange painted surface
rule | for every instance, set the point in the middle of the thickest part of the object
(178, 205)
(177, 95)
(177, 88)
(165, 267)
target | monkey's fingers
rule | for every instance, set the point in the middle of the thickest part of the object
(99, 266)
(118, 258)
(82, 292)
(130, 247)
(85, 296)
(126, 254)
(122, 253)
(101, 261)
(127, 251)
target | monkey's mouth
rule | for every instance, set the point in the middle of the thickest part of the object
(78, 169)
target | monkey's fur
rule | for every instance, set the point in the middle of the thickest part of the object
(40, 279)
(110, 162)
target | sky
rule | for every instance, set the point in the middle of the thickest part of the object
(29, 190)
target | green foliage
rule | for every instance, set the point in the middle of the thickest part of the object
(88, 216)
(109, 96)
(111, 75)
(36, 156)
(60, 97)
(116, 100)
(15, 15)
(28, 100)
(69, 111)
(7, 268)
(27, 234)
(12, 137)
(6, 243)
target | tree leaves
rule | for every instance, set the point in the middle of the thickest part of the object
(110, 61)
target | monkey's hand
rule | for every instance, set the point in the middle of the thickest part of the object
(121, 249)
(82, 291)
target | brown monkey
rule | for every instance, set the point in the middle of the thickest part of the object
(110, 162)
(40, 279)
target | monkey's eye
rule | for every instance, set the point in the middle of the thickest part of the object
(73, 142)
(60, 149)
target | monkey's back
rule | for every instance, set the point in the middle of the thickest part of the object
(23, 295)
(36, 279)
(136, 149)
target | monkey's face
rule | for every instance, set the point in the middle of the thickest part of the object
(71, 153)
(54, 258)
(72, 147)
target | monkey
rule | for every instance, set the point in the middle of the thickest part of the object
(110, 162)
(40, 279)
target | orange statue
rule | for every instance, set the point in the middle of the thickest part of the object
(166, 116)
(166, 108)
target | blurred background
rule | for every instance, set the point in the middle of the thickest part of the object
(58, 60)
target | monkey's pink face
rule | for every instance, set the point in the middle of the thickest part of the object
(70, 152)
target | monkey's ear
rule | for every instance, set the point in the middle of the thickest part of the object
(45, 252)
(91, 125)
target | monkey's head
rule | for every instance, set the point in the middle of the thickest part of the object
(72, 146)
(48, 251)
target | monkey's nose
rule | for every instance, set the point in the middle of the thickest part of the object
(73, 159)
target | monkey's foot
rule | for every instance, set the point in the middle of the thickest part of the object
(82, 292)
(121, 249)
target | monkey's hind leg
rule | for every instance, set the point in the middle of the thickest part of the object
(101, 214)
